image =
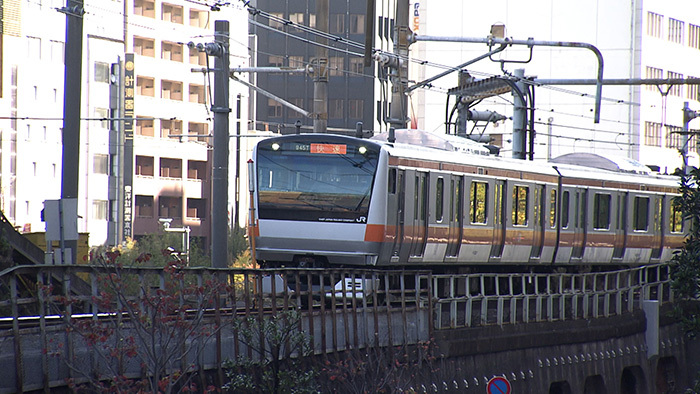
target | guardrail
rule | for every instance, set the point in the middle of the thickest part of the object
(213, 315)
(472, 300)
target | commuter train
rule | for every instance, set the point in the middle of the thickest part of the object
(444, 202)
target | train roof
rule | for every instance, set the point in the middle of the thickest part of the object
(449, 148)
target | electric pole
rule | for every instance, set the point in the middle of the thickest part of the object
(219, 206)
(321, 69)
(398, 112)
(71, 115)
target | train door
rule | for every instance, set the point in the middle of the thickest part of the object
(499, 221)
(454, 236)
(658, 227)
(620, 241)
(580, 223)
(538, 200)
(420, 213)
(400, 206)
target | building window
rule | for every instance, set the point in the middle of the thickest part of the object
(652, 134)
(653, 73)
(297, 18)
(101, 72)
(299, 102)
(275, 61)
(199, 129)
(676, 90)
(694, 36)
(274, 109)
(196, 170)
(357, 65)
(144, 166)
(198, 18)
(171, 90)
(274, 20)
(312, 20)
(338, 23)
(673, 137)
(170, 127)
(144, 46)
(197, 94)
(144, 127)
(34, 48)
(676, 30)
(654, 24)
(145, 8)
(520, 203)
(355, 109)
(196, 208)
(357, 24)
(335, 65)
(171, 51)
(57, 51)
(101, 114)
(335, 109)
(143, 206)
(296, 61)
(170, 168)
(145, 86)
(99, 209)
(197, 57)
(170, 207)
(172, 13)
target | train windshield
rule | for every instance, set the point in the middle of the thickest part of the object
(315, 178)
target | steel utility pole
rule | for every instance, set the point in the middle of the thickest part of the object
(71, 113)
(519, 116)
(688, 115)
(398, 113)
(321, 69)
(221, 110)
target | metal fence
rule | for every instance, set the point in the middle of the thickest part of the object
(472, 300)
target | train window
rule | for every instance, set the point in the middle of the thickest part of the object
(439, 189)
(456, 206)
(641, 213)
(392, 181)
(676, 225)
(553, 208)
(565, 210)
(601, 211)
(478, 206)
(520, 200)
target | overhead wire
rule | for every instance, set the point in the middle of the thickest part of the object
(344, 41)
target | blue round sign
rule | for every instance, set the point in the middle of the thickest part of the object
(498, 385)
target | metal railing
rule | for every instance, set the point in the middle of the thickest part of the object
(472, 300)
(41, 315)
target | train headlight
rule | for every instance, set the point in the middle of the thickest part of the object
(275, 146)
(362, 150)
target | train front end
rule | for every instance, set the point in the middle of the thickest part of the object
(313, 201)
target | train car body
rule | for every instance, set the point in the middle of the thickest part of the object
(325, 200)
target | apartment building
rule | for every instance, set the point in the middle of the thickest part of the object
(171, 98)
(354, 91)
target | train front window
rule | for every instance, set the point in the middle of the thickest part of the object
(304, 179)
